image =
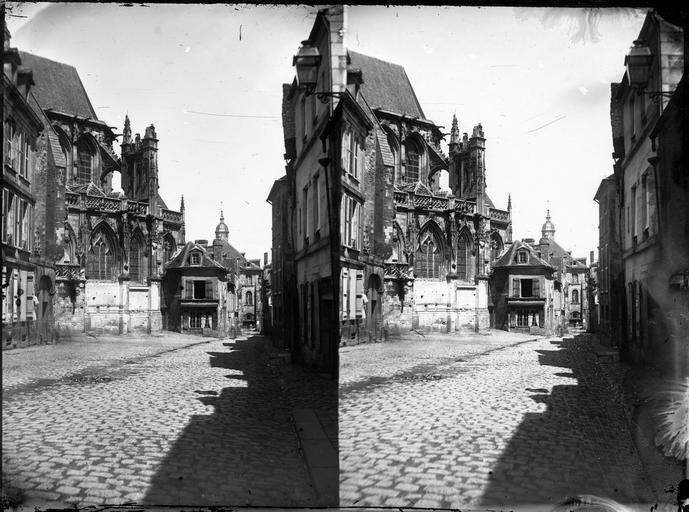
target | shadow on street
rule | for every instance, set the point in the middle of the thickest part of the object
(245, 452)
(579, 444)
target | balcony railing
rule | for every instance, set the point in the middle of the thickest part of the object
(171, 216)
(103, 203)
(430, 202)
(67, 272)
(499, 215)
(397, 271)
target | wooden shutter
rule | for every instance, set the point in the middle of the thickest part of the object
(209, 289)
(189, 288)
(536, 291)
(516, 288)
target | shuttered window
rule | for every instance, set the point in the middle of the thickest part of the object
(516, 288)
(536, 290)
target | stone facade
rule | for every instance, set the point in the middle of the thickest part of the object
(28, 270)
(105, 248)
(416, 257)
(648, 187)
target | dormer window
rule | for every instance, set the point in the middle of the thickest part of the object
(195, 258)
(522, 257)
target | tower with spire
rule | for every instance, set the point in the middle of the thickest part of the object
(548, 229)
(222, 232)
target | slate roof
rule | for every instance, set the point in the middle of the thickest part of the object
(58, 86)
(181, 260)
(53, 139)
(386, 86)
(507, 260)
(91, 189)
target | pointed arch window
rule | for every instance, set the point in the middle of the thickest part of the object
(463, 256)
(413, 162)
(169, 247)
(395, 150)
(84, 162)
(397, 247)
(136, 266)
(428, 257)
(100, 259)
(496, 246)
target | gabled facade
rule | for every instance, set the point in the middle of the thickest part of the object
(523, 291)
(196, 291)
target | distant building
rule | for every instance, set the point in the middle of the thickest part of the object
(245, 276)
(196, 291)
(571, 275)
(610, 273)
(283, 274)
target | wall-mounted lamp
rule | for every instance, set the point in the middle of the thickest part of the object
(307, 62)
(638, 64)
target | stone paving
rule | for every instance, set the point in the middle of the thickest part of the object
(515, 424)
(190, 421)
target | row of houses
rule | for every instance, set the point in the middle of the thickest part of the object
(80, 256)
(643, 268)
(378, 232)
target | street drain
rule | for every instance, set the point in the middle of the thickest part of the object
(421, 377)
(88, 379)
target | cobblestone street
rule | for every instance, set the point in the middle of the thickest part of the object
(447, 422)
(177, 420)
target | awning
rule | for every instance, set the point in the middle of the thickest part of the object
(526, 303)
(199, 304)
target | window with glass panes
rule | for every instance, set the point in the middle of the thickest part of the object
(100, 258)
(428, 257)
(84, 162)
(412, 163)
(135, 259)
(350, 213)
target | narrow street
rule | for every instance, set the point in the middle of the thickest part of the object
(170, 420)
(510, 423)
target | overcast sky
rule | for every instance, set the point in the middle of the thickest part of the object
(209, 77)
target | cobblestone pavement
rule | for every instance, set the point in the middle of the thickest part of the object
(520, 425)
(205, 424)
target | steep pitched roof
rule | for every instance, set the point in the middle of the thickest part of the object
(508, 258)
(58, 86)
(53, 139)
(386, 86)
(181, 260)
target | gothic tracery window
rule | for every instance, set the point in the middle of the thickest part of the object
(84, 162)
(136, 259)
(428, 257)
(413, 162)
(463, 256)
(100, 258)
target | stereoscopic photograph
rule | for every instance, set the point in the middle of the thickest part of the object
(345, 256)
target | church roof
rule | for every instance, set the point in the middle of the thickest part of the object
(508, 259)
(386, 85)
(58, 86)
